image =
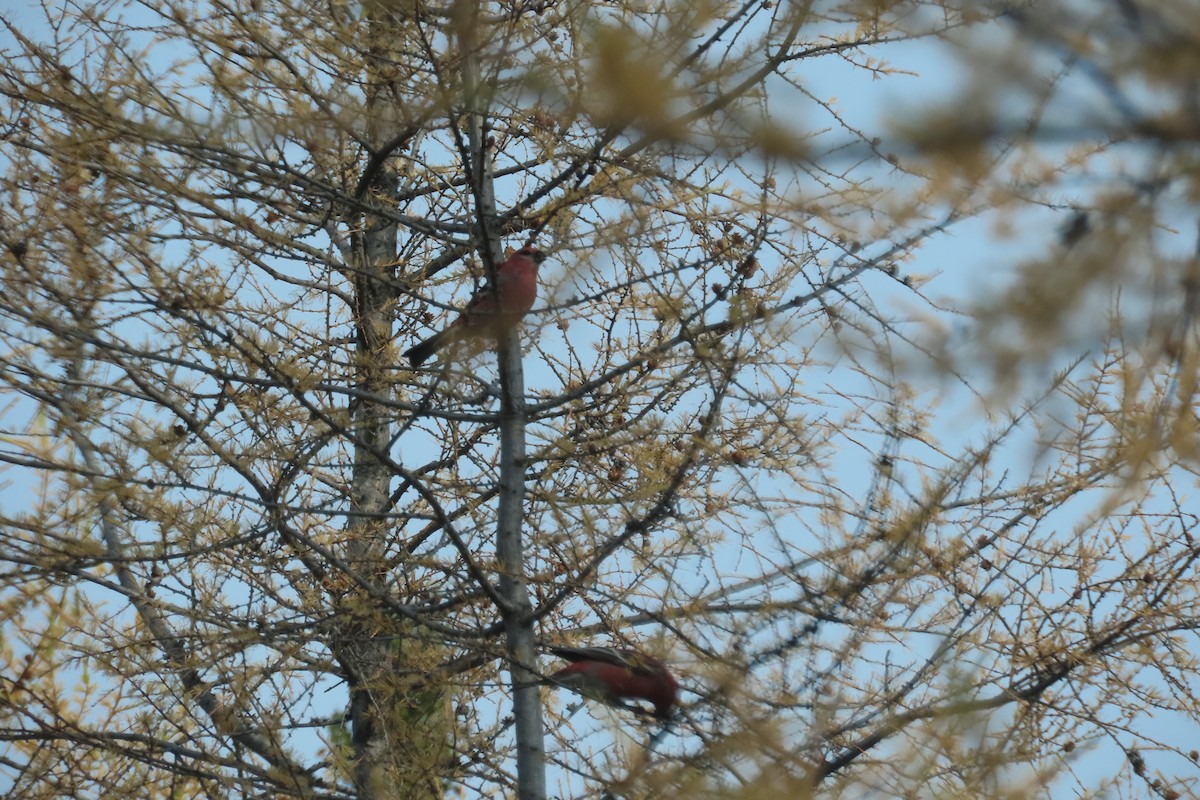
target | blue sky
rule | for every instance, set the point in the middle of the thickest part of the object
(974, 259)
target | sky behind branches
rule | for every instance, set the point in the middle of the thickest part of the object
(971, 263)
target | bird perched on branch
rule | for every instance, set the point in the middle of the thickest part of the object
(612, 674)
(491, 312)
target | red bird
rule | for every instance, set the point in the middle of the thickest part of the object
(609, 674)
(492, 311)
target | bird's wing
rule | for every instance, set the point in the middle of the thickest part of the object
(619, 656)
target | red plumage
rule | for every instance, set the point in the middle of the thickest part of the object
(612, 674)
(492, 311)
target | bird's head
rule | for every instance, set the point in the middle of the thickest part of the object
(532, 253)
(665, 694)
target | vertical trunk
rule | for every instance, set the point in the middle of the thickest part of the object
(510, 547)
(369, 656)
(510, 553)
(399, 728)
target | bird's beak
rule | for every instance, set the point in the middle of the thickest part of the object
(539, 257)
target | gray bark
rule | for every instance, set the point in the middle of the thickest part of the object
(516, 608)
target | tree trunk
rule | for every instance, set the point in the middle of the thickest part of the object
(399, 726)
(516, 610)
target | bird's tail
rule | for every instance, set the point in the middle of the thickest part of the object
(421, 352)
